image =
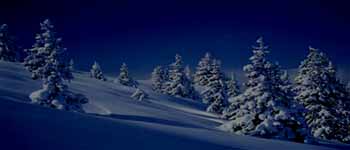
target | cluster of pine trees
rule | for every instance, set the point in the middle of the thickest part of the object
(173, 80)
(315, 105)
(271, 106)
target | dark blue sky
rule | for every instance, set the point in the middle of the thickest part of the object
(147, 33)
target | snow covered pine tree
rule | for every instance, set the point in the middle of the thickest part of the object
(124, 77)
(215, 92)
(178, 84)
(324, 97)
(71, 65)
(47, 60)
(265, 108)
(188, 73)
(233, 90)
(9, 51)
(96, 72)
(202, 73)
(157, 78)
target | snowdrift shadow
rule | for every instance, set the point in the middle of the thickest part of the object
(79, 131)
(149, 120)
(14, 96)
(336, 146)
(180, 101)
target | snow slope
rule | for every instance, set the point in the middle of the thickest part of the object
(115, 121)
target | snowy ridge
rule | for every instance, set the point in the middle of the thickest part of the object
(114, 120)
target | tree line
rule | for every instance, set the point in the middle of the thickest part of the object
(315, 106)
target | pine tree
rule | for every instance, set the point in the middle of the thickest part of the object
(177, 83)
(124, 77)
(202, 73)
(96, 72)
(47, 60)
(9, 51)
(324, 97)
(215, 93)
(188, 73)
(158, 79)
(265, 108)
(233, 90)
(71, 65)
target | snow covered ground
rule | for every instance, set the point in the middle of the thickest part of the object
(115, 121)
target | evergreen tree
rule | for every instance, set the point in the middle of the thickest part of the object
(124, 77)
(158, 79)
(96, 72)
(177, 83)
(188, 73)
(71, 65)
(233, 90)
(215, 93)
(265, 108)
(324, 97)
(47, 60)
(202, 73)
(9, 51)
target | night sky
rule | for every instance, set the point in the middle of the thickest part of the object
(146, 33)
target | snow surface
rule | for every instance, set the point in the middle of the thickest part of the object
(114, 120)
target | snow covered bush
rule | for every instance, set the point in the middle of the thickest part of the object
(96, 72)
(9, 51)
(59, 98)
(177, 83)
(324, 97)
(139, 95)
(124, 77)
(202, 73)
(215, 93)
(47, 60)
(266, 108)
(158, 79)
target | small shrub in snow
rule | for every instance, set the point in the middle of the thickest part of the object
(139, 95)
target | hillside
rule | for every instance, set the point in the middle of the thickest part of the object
(114, 120)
